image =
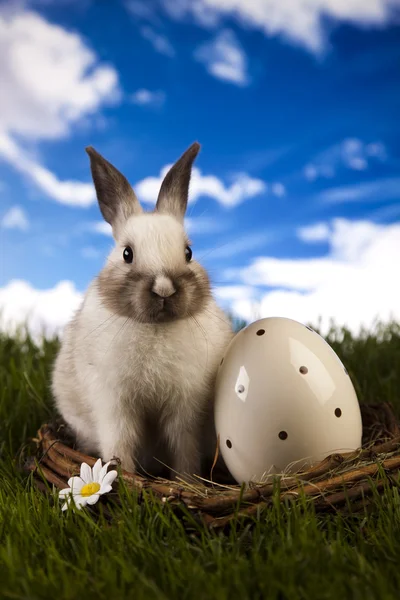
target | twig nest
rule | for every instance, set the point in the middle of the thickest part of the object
(284, 401)
(339, 479)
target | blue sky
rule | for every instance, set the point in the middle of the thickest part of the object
(295, 205)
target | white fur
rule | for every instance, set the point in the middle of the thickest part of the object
(157, 239)
(112, 372)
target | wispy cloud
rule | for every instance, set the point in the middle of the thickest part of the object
(278, 189)
(312, 171)
(140, 9)
(144, 97)
(100, 227)
(238, 245)
(389, 212)
(376, 190)
(242, 188)
(15, 218)
(350, 153)
(204, 225)
(159, 42)
(224, 58)
(299, 22)
(70, 193)
(319, 232)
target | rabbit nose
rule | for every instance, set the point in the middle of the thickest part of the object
(163, 287)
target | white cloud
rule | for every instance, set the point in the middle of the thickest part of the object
(159, 42)
(100, 227)
(347, 239)
(380, 189)
(44, 311)
(350, 153)
(354, 283)
(377, 150)
(204, 225)
(310, 172)
(50, 80)
(300, 22)
(145, 97)
(224, 58)
(314, 233)
(242, 188)
(351, 240)
(353, 151)
(234, 292)
(139, 9)
(237, 246)
(71, 193)
(357, 163)
(15, 218)
(278, 189)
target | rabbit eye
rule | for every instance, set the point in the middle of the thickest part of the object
(188, 253)
(128, 254)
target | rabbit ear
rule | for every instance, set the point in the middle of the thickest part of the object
(117, 200)
(174, 191)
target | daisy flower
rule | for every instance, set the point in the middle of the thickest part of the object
(89, 486)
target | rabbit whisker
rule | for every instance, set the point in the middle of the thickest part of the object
(204, 333)
(207, 310)
(110, 319)
(118, 332)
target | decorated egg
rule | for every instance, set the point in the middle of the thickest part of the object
(284, 401)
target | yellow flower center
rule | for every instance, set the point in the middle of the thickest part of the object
(89, 489)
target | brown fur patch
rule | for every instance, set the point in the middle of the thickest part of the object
(173, 195)
(116, 198)
(129, 294)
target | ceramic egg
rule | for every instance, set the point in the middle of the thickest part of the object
(284, 401)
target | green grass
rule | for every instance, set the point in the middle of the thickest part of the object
(146, 553)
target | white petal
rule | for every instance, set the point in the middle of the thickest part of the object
(80, 501)
(65, 506)
(86, 473)
(105, 488)
(64, 492)
(103, 472)
(75, 483)
(93, 498)
(109, 478)
(96, 470)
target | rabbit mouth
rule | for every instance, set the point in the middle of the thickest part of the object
(165, 311)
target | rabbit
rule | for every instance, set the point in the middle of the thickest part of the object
(135, 373)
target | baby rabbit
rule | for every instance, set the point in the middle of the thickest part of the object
(135, 373)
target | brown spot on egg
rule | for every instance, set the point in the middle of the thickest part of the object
(283, 435)
(303, 370)
(229, 443)
(261, 332)
(338, 412)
